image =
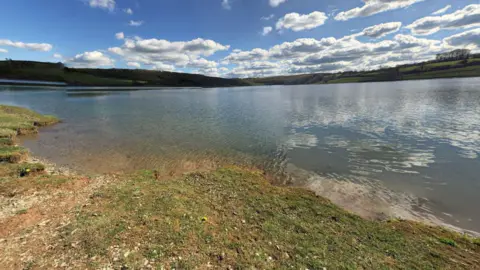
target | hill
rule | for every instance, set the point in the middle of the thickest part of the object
(57, 72)
(425, 70)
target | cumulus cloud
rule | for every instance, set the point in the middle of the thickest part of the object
(201, 63)
(468, 39)
(134, 64)
(276, 3)
(226, 4)
(255, 69)
(330, 54)
(104, 4)
(245, 56)
(442, 10)
(120, 35)
(58, 56)
(129, 11)
(3, 50)
(267, 30)
(267, 18)
(41, 47)
(381, 30)
(163, 67)
(93, 59)
(298, 22)
(167, 55)
(467, 17)
(135, 23)
(372, 7)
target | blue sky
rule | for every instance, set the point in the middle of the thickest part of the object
(229, 38)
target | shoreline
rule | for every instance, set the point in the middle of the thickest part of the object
(73, 87)
(225, 217)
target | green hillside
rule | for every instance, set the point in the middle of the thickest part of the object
(425, 70)
(57, 72)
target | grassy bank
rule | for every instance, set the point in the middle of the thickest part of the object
(16, 121)
(226, 218)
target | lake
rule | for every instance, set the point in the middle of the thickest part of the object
(407, 149)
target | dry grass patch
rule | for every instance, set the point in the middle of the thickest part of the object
(233, 218)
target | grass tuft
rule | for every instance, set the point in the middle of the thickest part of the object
(447, 241)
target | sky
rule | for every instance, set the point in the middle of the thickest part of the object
(237, 38)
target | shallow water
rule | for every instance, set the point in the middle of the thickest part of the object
(409, 149)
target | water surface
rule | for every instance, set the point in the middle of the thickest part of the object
(409, 149)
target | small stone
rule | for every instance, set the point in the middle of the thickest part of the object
(244, 221)
(125, 255)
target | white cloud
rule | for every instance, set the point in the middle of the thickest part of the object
(298, 22)
(226, 4)
(129, 11)
(104, 4)
(42, 47)
(468, 39)
(442, 10)
(308, 55)
(93, 59)
(58, 56)
(267, 30)
(135, 23)
(372, 7)
(120, 35)
(163, 67)
(381, 30)
(467, 17)
(202, 63)
(134, 64)
(167, 55)
(276, 3)
(245, 56)
(267, 18)
(3, 50)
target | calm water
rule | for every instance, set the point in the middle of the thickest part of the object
(409, 149)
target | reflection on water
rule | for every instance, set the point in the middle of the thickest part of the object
(405, 148)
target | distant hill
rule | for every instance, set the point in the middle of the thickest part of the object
(425, 70)
(57, 72)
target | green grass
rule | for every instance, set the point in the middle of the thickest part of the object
(12, 154)
(469, 71)
(443, 64)
(447, 241)
(235, 218)
(410, 69)
(18, 121)
(21, 212)
(348, 80)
